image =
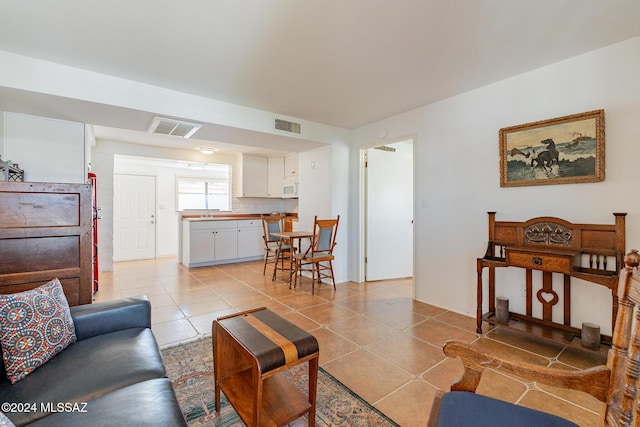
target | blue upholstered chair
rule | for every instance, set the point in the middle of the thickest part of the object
(319, 256)
(615, 384)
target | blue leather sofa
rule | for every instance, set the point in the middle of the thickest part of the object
(113, 375)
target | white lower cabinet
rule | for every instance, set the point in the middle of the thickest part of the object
(226, 245)
(212, 242)
(250, 241)
(200, 247)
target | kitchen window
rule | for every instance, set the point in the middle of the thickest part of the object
(205, 193)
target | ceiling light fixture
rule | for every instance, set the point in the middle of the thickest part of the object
(207, 150)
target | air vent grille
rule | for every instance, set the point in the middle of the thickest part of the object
(385, 148)
(173, 127)
(287, 126)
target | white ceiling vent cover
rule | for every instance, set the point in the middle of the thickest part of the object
(173, 127)
(287, 126)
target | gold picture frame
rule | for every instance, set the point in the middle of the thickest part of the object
(564, 150)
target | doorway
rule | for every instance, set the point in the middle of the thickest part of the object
(134, 217)
(388, 211)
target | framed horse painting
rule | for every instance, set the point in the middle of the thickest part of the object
(563, 150)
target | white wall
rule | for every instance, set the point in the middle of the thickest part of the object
(47, 150)
(457, 178)
(324, 192)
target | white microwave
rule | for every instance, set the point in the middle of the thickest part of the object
(290, 188)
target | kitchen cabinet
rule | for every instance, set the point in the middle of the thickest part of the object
(276, 176)
(250, 241)
(201, 246)
(291, 165)
(253, 176)
(207, 242)
(211, 242)
(226, 242)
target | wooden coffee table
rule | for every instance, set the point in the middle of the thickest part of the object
(250, 351)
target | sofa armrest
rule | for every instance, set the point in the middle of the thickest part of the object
(109, 316)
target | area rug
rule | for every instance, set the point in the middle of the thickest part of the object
(190, 369)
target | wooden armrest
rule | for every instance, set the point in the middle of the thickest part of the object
(594, 381)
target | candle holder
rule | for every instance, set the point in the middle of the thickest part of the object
(590, 335)
(502, 309)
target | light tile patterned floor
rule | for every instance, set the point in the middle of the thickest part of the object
(373, 337)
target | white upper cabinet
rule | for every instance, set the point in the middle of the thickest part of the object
(291, 165)
(276, 176)
(253, 176)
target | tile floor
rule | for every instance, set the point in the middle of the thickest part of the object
(373, 337)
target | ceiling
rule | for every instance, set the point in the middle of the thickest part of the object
(344, 63)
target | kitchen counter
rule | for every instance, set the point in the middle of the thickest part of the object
(229, 216)
(219, 218)
(250, 223)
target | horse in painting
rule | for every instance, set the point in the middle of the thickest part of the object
(545, 158)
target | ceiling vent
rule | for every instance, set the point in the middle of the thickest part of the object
(287, 126)
(385, 148)
(173, 127)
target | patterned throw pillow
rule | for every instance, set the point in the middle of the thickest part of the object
(36, 325)
(5, 422)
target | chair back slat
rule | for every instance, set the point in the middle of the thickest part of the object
(624, 356)
(274, 227)
(324, 239)
(324, 235)
(271, 224)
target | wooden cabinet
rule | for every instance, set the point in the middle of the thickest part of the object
(250, 241)
(291, 165)
(45, 232)
(591, 252)
(253, 176)
(276, 176)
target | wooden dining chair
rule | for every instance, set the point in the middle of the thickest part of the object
(615, 384)
(274, 224)
(319, 256)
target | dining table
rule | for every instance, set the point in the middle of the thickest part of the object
(290, 237)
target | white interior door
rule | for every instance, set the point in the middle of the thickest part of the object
(134, 217)
(389, 212)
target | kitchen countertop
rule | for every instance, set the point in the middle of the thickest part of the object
(219, 218)
(227, 217)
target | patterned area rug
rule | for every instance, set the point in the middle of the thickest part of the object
(190, 368)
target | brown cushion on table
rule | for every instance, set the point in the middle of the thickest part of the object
(273, 340)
